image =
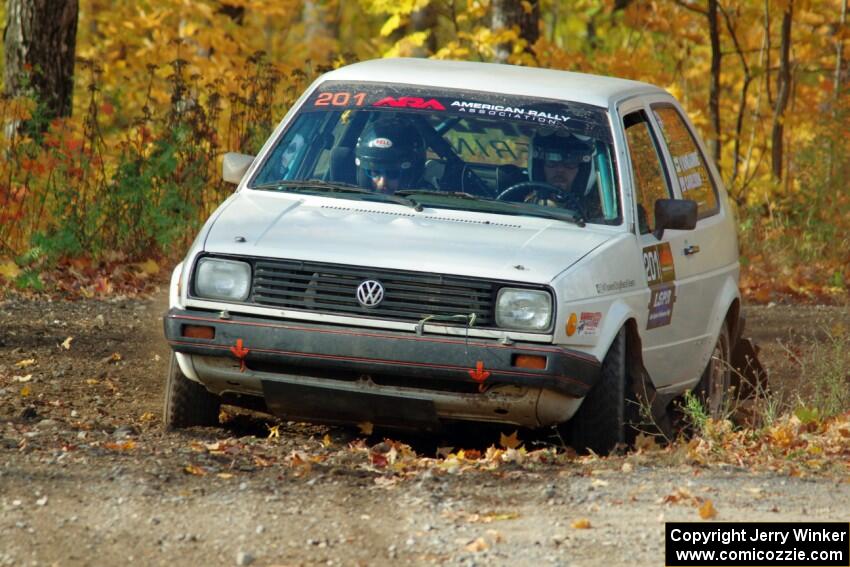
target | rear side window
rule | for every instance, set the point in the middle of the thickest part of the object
(650, 177)
(691, 169)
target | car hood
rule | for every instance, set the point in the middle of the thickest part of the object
(342, 231)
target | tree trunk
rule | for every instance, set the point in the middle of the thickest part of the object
(714, 86)
(839, 58)
(783, 88)
(40, 42)
(425, 20)
(507, 14)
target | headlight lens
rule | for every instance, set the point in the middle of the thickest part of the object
(523, 309)
(223, 279)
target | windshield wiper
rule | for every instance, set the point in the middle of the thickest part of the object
(572, 217)
(455, 194)
(337, 187)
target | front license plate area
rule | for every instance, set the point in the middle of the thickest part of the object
(314, 403)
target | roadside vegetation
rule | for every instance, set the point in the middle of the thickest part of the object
(98, 204)
(161, 92)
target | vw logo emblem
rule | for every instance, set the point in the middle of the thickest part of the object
(370, 293)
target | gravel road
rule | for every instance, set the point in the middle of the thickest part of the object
(88, 477)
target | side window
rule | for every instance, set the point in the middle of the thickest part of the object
(650, 177)
(694, 179)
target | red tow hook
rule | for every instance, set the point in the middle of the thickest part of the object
(240, 353)
(479, 374)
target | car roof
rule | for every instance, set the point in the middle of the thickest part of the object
(492, 77)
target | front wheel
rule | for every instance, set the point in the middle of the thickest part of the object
(608, 411)
(187, 403)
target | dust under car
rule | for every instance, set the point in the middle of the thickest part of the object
(422, 241)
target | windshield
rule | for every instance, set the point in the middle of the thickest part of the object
(450, 149)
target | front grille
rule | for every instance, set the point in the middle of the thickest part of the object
(408, 296)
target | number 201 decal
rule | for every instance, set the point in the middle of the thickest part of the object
(658, 263)
(340, 99)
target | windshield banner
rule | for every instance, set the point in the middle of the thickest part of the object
(576, 117)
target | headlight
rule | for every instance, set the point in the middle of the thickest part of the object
(523, 309)
(223, 279)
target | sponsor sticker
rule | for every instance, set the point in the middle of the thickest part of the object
(661, 301)
(588, 324)
(410, 102)
(615, 286)
(381, 143)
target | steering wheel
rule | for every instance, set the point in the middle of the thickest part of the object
(519, 192)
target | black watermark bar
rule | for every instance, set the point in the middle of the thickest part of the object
(761, 544)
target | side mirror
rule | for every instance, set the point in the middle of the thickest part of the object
(234, 166)
(675, 214)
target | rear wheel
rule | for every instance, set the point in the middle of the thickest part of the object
(187, 403)
(716, 382)
(608, 411)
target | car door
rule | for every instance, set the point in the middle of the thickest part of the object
(670, 337)
(706, 256)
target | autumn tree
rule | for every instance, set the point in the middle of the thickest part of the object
(40, 43)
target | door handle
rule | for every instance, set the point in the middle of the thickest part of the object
(691, 250)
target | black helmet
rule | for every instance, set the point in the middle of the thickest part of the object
(556, 146)
(390, 145)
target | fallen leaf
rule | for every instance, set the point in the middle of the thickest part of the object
(366, 427)
(147, 416)
(492, 517)
(195, 470)
(112, 358)
(477, 546)
(378, 460)
(274, 431)
(26, 378)
(25, 391)
(262, 462)
(681, 494)
(326, 441)
(707, 511)
(645, 443)
(92, 381)
(125, 446)
(66, 344)
(581, 524)
(224, 475)
(25, 363)
(509, 441)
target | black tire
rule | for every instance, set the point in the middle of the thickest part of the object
(187, 403)
(604, 420)
(714, 388)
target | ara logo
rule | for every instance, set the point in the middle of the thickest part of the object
(410, 102)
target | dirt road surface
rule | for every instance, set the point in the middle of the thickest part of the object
(88, 477)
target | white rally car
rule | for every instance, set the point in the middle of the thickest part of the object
(424, 241)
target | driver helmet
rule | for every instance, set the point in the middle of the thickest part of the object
(558, 146)
(392, 147)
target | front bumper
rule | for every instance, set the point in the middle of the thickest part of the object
(334, 373)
